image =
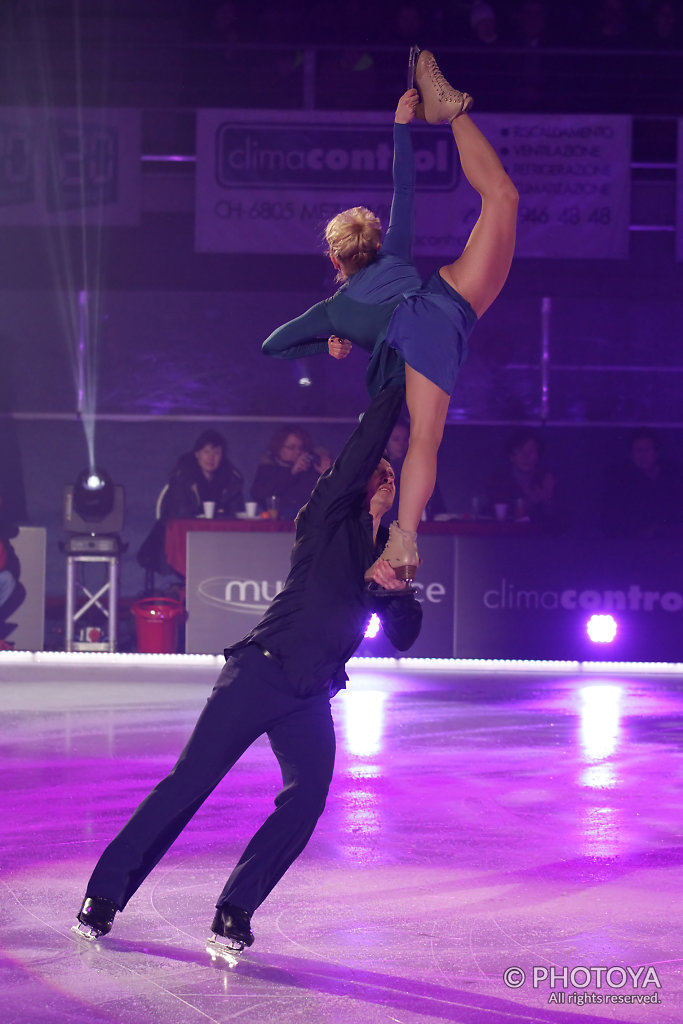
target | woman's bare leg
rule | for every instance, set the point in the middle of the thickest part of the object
(427, 405)
(478, 275)
(480, 272)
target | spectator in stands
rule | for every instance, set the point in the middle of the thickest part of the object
(204, 474)
(664, 26)
(612, 25)
(397, 449)
(408, 25)
(532, 24)
(288, 471)
(483, 23)
(643, 497)
(531, 32)
(524, 485)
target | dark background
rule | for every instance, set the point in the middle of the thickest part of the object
(178, 333)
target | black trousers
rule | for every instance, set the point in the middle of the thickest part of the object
(250, 697)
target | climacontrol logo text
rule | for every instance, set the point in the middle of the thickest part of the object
(507, 596)
(316, 156)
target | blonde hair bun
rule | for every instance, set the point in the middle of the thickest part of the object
(353, 237)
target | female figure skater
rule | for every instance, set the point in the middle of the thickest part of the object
(384, 307)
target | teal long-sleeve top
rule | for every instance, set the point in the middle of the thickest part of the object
(362, 308)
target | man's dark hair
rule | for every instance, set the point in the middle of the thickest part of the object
(211, 437)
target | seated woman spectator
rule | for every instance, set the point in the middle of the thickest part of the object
(524, 485)
(288, 471)
(204, 474)
(643, 497)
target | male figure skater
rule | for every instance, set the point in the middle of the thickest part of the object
(278, 679)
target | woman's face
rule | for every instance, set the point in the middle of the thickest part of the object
(525, 458)
(291, 449)
(209, 459)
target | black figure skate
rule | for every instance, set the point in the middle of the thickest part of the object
(231, 929)
(95, 918)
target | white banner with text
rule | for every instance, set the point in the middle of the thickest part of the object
(267, 182)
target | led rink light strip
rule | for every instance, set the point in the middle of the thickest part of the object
(60, 659)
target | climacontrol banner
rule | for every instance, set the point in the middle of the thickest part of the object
(69, 166)
(267, 182)
(533, 597)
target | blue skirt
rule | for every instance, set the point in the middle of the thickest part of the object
(430, 330)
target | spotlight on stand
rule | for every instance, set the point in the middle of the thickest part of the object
(93, 518)
(93, 505)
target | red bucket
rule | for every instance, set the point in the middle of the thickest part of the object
(156, 624)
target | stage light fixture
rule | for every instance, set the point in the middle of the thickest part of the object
(93, 505)
(601, 629)
(93, 495)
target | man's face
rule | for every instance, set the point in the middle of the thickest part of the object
(381, 489)
(209, 458)
(525, 458)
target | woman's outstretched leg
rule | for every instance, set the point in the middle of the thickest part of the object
(477, 275)
(480, 272)
(482, 269)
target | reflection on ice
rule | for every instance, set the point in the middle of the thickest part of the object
(602, 832)
(600, 714)
(598, 776)
(600, 733)
(364, 721)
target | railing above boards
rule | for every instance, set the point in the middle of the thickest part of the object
(353, 76)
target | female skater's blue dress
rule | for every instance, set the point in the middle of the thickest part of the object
(385, 308)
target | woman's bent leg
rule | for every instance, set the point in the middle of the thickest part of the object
(427, 405)
(482, 269)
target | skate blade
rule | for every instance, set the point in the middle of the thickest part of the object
(228, 950)
(85, 931)
(412, 62)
